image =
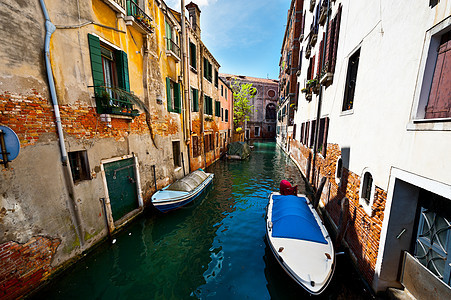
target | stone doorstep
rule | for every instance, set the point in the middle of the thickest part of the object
(398, 294)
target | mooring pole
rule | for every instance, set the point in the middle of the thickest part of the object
(343, 223)
(155, 178)
(183, 164)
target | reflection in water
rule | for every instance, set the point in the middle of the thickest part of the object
(214, 247)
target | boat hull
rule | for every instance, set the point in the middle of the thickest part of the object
(304, 261)
(176, 200)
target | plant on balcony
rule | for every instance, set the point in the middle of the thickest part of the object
(304, 90)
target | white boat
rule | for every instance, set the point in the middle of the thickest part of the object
(182, 192)
(299, 241)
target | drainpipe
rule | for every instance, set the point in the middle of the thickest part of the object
(49, 30)
(186, 107)
(320, 98)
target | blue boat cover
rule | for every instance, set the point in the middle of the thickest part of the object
(292, 218)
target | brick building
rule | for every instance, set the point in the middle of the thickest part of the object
(288, 66)
(380, 139)
(262, 122)
(93, 152)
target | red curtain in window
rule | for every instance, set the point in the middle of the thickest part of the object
(439, 104)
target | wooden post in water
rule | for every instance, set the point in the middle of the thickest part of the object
(343, 223)
(318, 193)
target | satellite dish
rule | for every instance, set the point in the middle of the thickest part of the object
(11, 143)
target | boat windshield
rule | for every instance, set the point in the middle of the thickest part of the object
(189, 182)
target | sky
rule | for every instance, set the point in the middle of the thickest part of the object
(245, 36)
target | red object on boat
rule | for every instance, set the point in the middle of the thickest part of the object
(287, 189)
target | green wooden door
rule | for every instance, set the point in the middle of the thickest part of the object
(121, 182)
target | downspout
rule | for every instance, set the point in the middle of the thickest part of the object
(320, 98)
(202, 98)
(186, 106)
(49, 30)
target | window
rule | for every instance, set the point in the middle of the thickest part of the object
(338, 170)
(110, 75)
(217, 140)
(351, 78)
(256, 131)
(196, 146)
(271, 93)
(217, 108)
(195, 97)
(322, 139)
(222, 114)
(207, 70)
(192, 55)
(172, 40)
(433, 239)
(176, 154)
(269, 128)
(227, 115)
(439, 102)
(312, 133)
(271, 111)
(208, 105)
(206, 143)
(294, 132)
(222, 90)
(301, 139)
(367, 189)
(173, 96)
(432, 100)
(332, 43)
(79, 165)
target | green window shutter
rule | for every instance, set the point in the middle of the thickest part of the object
(96, 62)
(177, 98)
(195, 100)
(122, 70)
(168, 93)
(217, 108)
(205, 68)
(192, 48)
(210, 105)
(168, 35)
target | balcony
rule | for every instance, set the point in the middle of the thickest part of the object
(116, 5)
(173, 49)
(137, 18)
(115, 101)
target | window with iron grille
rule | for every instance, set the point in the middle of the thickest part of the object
(79, 165)
(366, 187)
(433, 241)
(176, 154)
(227, 115)
(351, 79)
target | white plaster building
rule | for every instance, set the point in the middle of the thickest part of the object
(384, 134)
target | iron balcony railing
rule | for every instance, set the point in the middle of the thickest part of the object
(140, 16)
(115, 101)
(172, 46)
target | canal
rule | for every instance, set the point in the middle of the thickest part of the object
(213, 248)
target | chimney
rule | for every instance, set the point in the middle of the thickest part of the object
(194, 16)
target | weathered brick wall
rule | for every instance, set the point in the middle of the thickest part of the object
(364, 231)
(30, 116)
(24, 266)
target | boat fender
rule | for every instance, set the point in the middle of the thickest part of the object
(201, 169)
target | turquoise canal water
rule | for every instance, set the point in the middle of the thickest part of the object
(213, 248)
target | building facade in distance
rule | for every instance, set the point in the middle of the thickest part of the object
(262, 123)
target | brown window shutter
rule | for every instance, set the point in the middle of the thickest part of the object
(320, 58)
(313, 67)
(439, 104)
(337, 21)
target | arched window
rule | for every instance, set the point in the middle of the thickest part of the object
(338, 170)
(367, 189)
(271, 111)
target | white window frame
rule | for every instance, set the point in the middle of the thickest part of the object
(424, 81)
(367, 207)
